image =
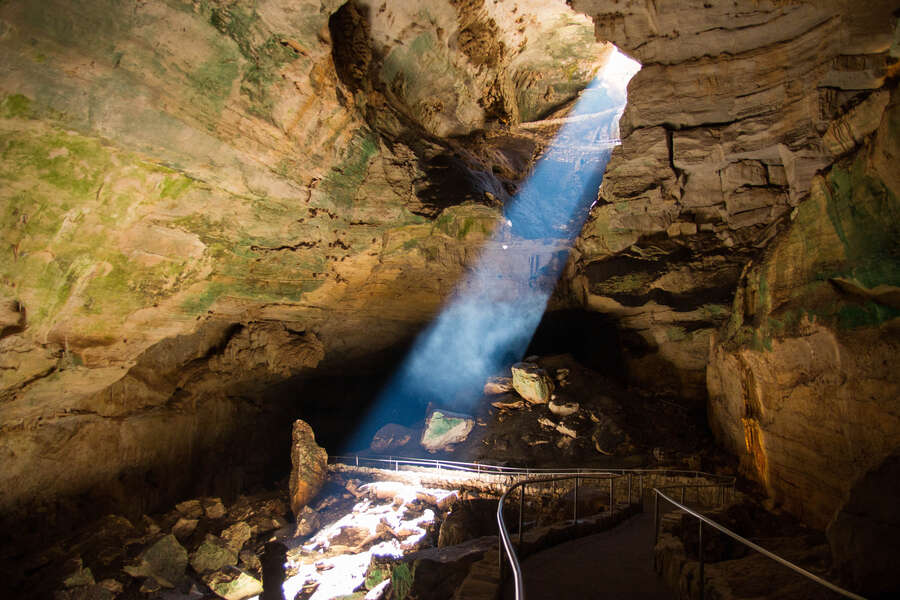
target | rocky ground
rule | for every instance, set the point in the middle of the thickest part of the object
(582, 419)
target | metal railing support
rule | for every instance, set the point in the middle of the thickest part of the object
(521, 514)
(575, 503)
(655, 519)
(700, 554)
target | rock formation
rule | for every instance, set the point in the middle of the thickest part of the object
(309, 467)
(202, 200)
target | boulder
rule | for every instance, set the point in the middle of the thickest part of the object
(213, 508)
(309, 466)
(233, 584)
(532, 382)
(212, 555)
(183, 528)
(498, 385)
(307, 522)
(164, 561)
(236, 535)
(190, 509)
(468, 520)
(444, 428)
(391, 437)
(563, 409)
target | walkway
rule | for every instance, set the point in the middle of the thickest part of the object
(616, 564)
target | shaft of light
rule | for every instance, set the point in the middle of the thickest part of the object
(491, 317)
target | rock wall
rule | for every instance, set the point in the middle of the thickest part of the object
(803, 380)
(201, 199)
(736, 108)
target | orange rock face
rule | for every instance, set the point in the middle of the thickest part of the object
(309, 466)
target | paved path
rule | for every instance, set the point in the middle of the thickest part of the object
(616, 564)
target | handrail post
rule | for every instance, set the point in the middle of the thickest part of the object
(609, 479)
(357, 460)
(700, 553)
(575, 503)
(612, 494)
(521, 512)
(629, 488)
(655, 518)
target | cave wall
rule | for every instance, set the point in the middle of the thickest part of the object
(204, 199)
(724, 130)
(803, 380)
(746, 230)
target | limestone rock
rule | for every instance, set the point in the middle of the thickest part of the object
(444, 428)
(563, 409)
(307, 522)
(212, 555)
(468, 520)
(800, 389)
(190, 509)
(391, 437)
(165, 561)
(183, 528)
(236, 535)
(865, 532)
(309, 466)
(233, 584)
(531, 382)
(498, 385)
(213, 508)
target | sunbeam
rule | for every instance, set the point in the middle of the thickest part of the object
(490, 318)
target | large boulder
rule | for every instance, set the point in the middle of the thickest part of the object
(865, 533)
(532, 382)
(444, 428)
(309, 466)
(165, 561)
(391, 437)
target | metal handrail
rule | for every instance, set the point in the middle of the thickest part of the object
(746, 542)
(487, 468)
(506, 545)
(505, 541)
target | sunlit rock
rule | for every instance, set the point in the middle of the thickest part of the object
(563, 409)
(444, 428)
(233, 584)
(532, 382)
(391, 437)
(498, 385)
(309, 466)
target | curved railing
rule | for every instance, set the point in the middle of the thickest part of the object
(611, 475)
(680, 505)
